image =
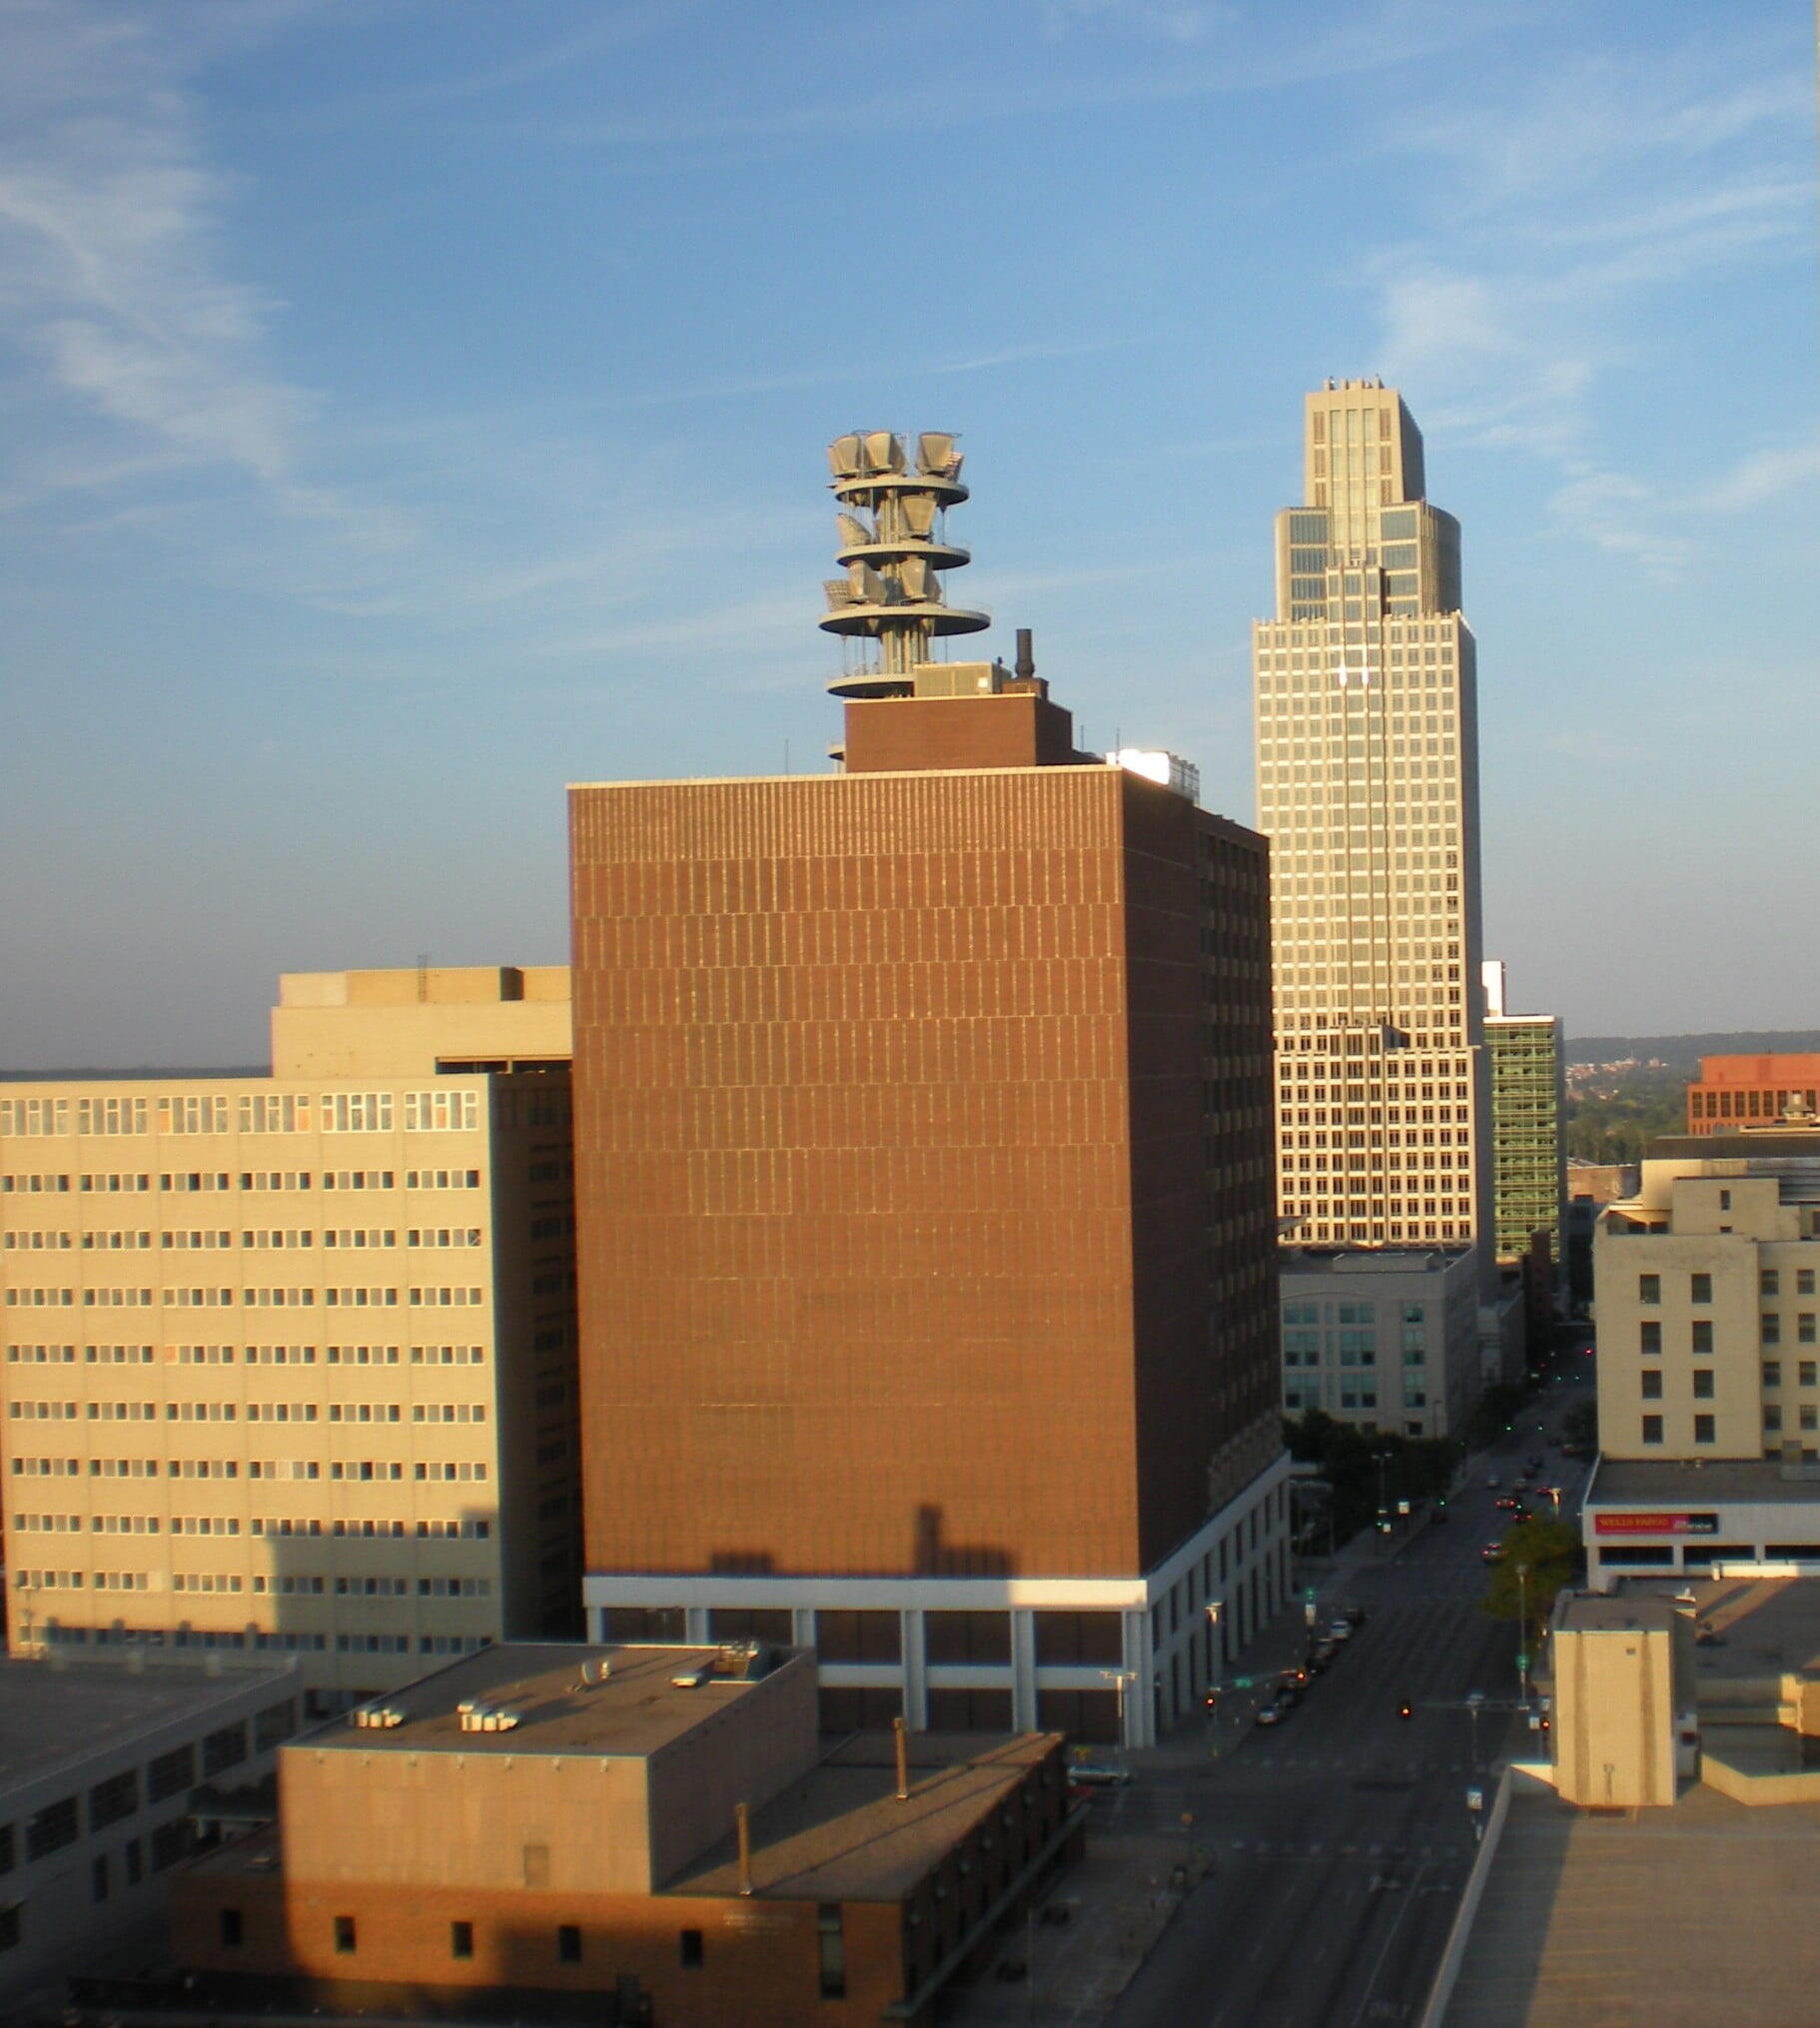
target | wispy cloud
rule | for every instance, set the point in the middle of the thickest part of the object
(1565, 214)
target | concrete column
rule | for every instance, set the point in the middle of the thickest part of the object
(802, 1626)
(1140, 1724)
(916, 1671)
(1024, 1670)
(695, 1625)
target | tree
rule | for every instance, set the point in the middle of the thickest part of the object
(1414, 1468)
(1545, 1553)
(1580, 1425)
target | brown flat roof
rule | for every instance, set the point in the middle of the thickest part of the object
(840, 1835)
(635, 1710)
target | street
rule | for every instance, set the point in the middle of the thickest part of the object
(1340, 1839)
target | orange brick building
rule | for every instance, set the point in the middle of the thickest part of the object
(925, 1218)
(1746, 1091)
(554, 1834)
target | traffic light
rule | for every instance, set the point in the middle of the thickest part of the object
(1209, 1700)
(1405, 1709)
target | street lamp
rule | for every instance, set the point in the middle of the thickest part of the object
(1120, 1678)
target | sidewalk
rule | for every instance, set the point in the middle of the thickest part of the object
(1123, 1894)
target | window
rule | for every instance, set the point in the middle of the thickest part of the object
(1772, 1373)
(1652, 1429)
(1772, 1419)
(113, 1800)
(1810, 1415)
(169, 1772)
(1804, 1281)
(233, 1930)
(1804, 1328)
(688, 1947)
(1769, 1283)
(1810, 1372)
(99, 1886)
(1770, 1328)
(1702, 1338)
(1703, 1430)
(52, 1829)
(1650, 1288)
(1652, 1384)
(568, 1943)
(461, 1939)
(833, 1951)
(1703, 1385)
(343, 1935)
(1652, 1339)
(1699, 1288)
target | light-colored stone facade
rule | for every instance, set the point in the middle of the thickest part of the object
(288, 1362)
(1368, 786)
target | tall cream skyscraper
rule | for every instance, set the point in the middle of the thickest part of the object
(1368, 786)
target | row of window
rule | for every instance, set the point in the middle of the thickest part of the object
(217, 1298)
(128, 1183)
(248, 1113)
(253, 1355)
(214, 1240)
(256, 1412)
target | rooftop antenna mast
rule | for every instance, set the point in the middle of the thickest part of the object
(893, 545)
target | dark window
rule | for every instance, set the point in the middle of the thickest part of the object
(1703, 1385)
(114, 1799)
(52, 1829)
(1650, 1288)
(1652, 1337)
(1072, 1638)
(1652, 1429)
(752, 1622)
(1770, 1328)
(1703, 1430)
(568, 1943)
(9, 1925)
(224, 1748)
(1653, 1385)
(1612, 1557)
(859, 1636)
(169, 1843)
(232, 1929)
(1772, 1373)
(1702, 1338)
(171, 1773)
(99, 1886)
(273, 1725)
(833, 1951)
(968, 1636)
(689, 1946)
(461, 1939)
(8, 1850)
(343, 1935)
(1699, 1288)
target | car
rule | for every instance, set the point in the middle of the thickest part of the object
(1317, 1662)
(1340, 1630)
(1098, 1774)
(1273, 1712)
(1492, 1481)
(1506, 1503)
(1493, 1552)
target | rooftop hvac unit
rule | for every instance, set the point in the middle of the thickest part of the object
(478, 1717)
(378, 1717)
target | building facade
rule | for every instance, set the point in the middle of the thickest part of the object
(1528, 1103)
(100, 1774)
(288, 1362)
(1737, 1091)
(1384, 1340)
(924, 1204)
(1368, 788)
(625, 1834)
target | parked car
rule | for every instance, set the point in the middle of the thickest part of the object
(1098, 1774)
(1340, 1630)
(1492, 1553)
(1273, 1712)
(1492, 1481)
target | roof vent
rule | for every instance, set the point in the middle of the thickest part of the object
(378, 1717)
(476, 1717)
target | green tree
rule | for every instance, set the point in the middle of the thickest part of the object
(1414, 1468)
(1581, 1424)
(1539, 1558)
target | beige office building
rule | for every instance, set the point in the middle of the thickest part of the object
(288, 1360)
(1367, 787)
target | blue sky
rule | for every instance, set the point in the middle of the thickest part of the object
(411, 406)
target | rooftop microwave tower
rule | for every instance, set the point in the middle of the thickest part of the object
(893, 544)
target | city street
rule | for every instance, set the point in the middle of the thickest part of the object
(1340, 1840)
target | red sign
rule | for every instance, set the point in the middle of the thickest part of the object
(1654, 1523)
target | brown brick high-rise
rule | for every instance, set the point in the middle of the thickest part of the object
(924, 1191)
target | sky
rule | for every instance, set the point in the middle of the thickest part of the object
(409, 407)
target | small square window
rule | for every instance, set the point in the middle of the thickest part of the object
(1652, 1429)
(688, 1947)
(233, 1929)
(343, 1935)
(1772, 1419)
(1769, 1283)
(1804, 1281)
(1652, 1384)
(1703, 1385)
(1650, 1288)
(1810, 1415)
(568, 1943)
(1810, 1372)
(1703, 1430)
(1699, 1288)
(461, 1939)
(1652, 1339)
(1772, 1373)
(1770, 1328)
(1804, 1328)
(1701, 1338)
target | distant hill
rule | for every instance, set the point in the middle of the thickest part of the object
(1685, 1051)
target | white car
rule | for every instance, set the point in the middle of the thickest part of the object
(1340, 1630)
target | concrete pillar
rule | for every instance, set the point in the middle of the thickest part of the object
(1024, 1672)
(695, 1625)
(916, 1671)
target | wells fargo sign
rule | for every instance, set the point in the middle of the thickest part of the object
(1655, 1524)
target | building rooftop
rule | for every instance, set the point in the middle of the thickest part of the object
(1685, 1918)
(1766, 1628)
(840, 1835)
(53, 1713)
(1372, 1260)
(1616, 1612)
(1696, 1482)
(634, 1708)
